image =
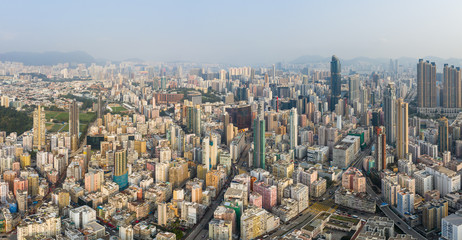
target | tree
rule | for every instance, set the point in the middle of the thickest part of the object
(14, 121)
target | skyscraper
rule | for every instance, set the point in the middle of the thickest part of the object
(452, 87)
(426, 84)
(197, 120)
(259, 142)
(39, 128)
(389, 105)
(225, 119)
(163, 83)
(293, 125)
(353, 89)
(335, 81)
(100, 106)
(121, 169)
(443, 138)
(402, 129)
(74, 124)
(381, 152)
(206, 153)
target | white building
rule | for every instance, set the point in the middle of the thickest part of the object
(83, 215)
(423, 182)
(405, 202)
(451, 226)
(444, 180)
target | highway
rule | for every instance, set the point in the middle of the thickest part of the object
(296, 223)
(388, 212)
(392, 215)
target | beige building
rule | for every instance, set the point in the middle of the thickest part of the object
(39, 128)
(48, 225)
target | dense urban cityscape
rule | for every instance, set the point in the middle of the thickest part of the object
(187, 151)
(230, 120)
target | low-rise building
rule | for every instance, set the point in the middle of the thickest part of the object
(358, 201)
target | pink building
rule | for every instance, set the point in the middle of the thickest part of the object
(93, 180)
(310, 137)
(256, 200)
(20, 184)
(305, 176)
(354, 180)
(268, 193)
(16, 166)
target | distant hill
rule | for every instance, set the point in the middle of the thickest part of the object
(48, 58)
(309, 59)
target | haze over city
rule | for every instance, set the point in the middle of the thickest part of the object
(238, 32)
(230, 120)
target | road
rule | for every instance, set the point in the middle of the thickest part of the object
(388, 212)
(296, 223)
(392, 215)
(195, 233)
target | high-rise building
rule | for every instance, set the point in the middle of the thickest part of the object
(220, 229)
(210, 151)
(74, 124)
(390, 187)
(21, 198)
(39, 128)
(405, 201)
(402, 128)
(423, 182)
(121, 169)
(269, 193)
(389, 105)
(381, 152)
(451, 226)
(353, 89)
(433, 213)
(39, 226)
(259, 143)
(162, 214)
(443, 134)
(81, 216)
(93, 180)
(197, 120)
(225, 120)
(293, 125)
(163, 83)
(256, 222)
(100, 110)
(452, 87)
(426, 84)
(354, 180)
(126, 232)
(335, 81)
(178, 173)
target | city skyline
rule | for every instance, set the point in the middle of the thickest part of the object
(210, 120)
(238, 32)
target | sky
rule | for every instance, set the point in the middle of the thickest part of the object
(239, 32)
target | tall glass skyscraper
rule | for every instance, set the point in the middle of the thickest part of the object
(259, 143)
(335, 81)
(389, 107)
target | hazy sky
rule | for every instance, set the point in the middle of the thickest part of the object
(248, 31)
